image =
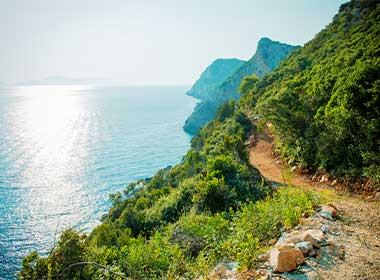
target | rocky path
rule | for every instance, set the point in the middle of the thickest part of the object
(356, 232)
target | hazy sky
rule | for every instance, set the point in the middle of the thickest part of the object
(145, 42)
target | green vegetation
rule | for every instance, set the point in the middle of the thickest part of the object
(324, 99)
(324, 105)
(160, 227)
(187, 248)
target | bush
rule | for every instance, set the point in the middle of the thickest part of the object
(259, 222)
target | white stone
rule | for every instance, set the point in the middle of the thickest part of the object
(325, 228)
(315, 237)
(305, 247)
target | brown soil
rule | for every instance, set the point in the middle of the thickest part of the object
(358, 226)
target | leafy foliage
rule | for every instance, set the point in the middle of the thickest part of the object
(188, 248)
(324, 99)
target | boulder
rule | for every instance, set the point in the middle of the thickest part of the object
(305, 247)
(294, 240)
(325, 228)
(319, 255)
(289, 238)
(312, 253)
(282, 240)
(265, 265)
(286, 258)
(315, 237)
(330, 208)
(326, 215)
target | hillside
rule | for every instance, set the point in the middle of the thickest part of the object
(213, 76)
(322, 106)
(267, 57)
(324, 100)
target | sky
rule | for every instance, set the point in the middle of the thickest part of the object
(142, 42)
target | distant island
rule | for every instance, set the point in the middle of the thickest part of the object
(62, 80)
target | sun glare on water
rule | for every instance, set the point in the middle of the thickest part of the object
(57, 152)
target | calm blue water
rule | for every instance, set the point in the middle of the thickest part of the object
(64, 149)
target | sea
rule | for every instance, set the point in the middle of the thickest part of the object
(65, 149)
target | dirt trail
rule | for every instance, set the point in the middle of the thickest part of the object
(271, 168)
(358, 227)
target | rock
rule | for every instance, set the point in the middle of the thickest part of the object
(305, 247)
(342, 252)
(377, 195)
(224, 271)
(326, 215)
(291, 238)
(325, 228)
(294, 240)
(315, 237)
(261, 272)
(306, 214)
(324, 178)
(263, 257)
(286, 258)
(272, 241)
(334, 182)
(333, 249)
(319, 255)
(312, 253)
(282, 240)
(331, 209)
(265, 265)
(293, 168)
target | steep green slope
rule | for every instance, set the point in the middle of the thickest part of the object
(324, 100)
(267, 57)
(153, 229)
(213, 76)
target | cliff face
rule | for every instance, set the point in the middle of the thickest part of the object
(213, 77)
(267, 57)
